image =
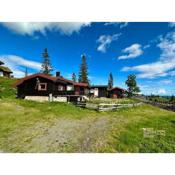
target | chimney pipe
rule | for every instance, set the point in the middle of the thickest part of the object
(57, 74)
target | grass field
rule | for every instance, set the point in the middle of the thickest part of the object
(27, 126)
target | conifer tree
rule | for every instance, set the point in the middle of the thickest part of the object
(26, 72)
(83, 73)
(46, 66)
(110, 81)
(74, 78)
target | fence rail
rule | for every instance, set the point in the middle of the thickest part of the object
(106, 106)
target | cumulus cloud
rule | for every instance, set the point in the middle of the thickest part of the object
(120, 24)
(162, 91)
(165, 64)
(154, 88)
(105, 41)
(166, 81)
(132, 51)
(18, 64)
(29, 28)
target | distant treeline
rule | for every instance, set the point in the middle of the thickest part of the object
(162, 99)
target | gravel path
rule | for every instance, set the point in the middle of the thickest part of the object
(62, 135)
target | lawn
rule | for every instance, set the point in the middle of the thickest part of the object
(27, 126)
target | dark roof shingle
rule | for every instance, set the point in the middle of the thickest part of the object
(5, 69)
(49, 78)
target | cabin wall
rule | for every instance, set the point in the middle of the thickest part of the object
(116, 93)
(29, 88)
(99, 92)
(4, 74)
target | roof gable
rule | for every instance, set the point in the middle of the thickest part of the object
(54, 79)
(1, 63)
(115, 88)
(5, 69)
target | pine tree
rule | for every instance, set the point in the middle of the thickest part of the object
(83, 73)
(132, 85)
(26, 72)
(110, 81)
(74, 78)
(172, 98)
(46, 65)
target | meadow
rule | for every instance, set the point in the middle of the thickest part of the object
(27, 126)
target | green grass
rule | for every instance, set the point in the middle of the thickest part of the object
(27, 126)
(7, 89)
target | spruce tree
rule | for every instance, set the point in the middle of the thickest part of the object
(83, 73)
(46, 66)
(74, 78)
(172, 98)
(26, 72)
(110, 81)
(132, 85)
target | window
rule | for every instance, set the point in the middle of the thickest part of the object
(60, 88)
(70, 88)
(42, 86)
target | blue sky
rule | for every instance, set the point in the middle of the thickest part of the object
(144, 49)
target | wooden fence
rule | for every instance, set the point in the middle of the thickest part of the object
(106, 107)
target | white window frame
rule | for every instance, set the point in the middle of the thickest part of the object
(40, 87)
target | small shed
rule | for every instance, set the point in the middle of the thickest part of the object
(4, 71)
(117, 92)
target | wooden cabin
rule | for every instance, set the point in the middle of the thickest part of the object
(4, 71)
(99, 91)
(45, 85)
(103, 91)
(117, 92)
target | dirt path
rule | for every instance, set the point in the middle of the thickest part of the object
(62, 135)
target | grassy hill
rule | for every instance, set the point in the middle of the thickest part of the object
(27, 126)
(6, 87)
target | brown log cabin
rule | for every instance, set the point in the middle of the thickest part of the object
(44, 85)
(39, 85)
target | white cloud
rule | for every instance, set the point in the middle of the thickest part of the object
(29, 28)
(166, 62)
(105, 41)
(120, 24)
(162, 91)
(132, 51)
(146, 46)
(152, 70)
(166, 81)
(18, 64)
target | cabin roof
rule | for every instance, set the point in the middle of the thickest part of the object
(99, 86)
(80, 84)
(115, 88)
(54, 79)
(5, 69)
